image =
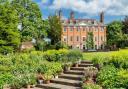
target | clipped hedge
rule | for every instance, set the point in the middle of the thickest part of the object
(62, 55)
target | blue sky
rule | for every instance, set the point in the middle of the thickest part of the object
(114, 9)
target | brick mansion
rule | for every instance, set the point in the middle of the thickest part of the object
(75, 32)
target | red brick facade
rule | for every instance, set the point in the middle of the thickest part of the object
(75, 32)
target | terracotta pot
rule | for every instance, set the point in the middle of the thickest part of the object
(90, 80)
(66, 68)
(28, 86)
(47, 81)
(76, 64)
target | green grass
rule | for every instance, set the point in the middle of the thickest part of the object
(91, 55)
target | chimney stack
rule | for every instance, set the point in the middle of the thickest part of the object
(72, 15)
(60, 13)
(102, 17)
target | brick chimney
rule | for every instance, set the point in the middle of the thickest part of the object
(102, 17)
(72, 15)
(60, 14)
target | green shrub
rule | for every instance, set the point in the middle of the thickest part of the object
(74, 55)
(50, 55)
(122, 79)
(62, 55)
(107, 77)
(91, 86)
(17, 82)
(56, 68)
(61, 45)
(28, 79)
(5, 78)
(110, 77)
(6, 49)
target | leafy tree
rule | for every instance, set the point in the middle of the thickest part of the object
(125, 23)
(30, 19)
(125, 32)
(89, 40)
(9, 34)
(55, 29)
(114, 33)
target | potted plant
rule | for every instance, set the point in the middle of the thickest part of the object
(90, 73)
(88, 79)
(76, 64)
(79, 61)
(67, 66)
(40, 76)
(47, 77)
(16, 82)
(56, 69)
(29, 80)
(55, 74)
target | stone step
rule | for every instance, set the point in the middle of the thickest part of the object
(74, 72)
(56, 86)
(68, 82)
(87, 62)
(85, 65)
(70, 76)
(33, 88)
(77, 68)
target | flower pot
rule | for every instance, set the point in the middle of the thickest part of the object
(89, 80)
(76, 64)
(56, 76)
(66, 68)
(47, 81)
(40, 81)
(28, 86)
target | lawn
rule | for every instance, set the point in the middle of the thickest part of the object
(91, 55)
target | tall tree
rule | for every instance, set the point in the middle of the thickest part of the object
(89, 40)
(30, 19)
(55, 29)
(125, 23)
(114, 33)
(9, 34)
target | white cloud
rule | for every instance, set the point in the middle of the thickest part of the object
(111, 7)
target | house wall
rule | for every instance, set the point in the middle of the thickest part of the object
(75, 36)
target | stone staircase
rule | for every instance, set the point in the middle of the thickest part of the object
(71, 79)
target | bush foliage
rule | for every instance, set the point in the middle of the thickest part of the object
(21, 69)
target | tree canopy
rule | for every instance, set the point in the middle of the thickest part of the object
(20, 20)
(55, 29)
(30, 19)
(9, 34)
(89, 40)
(125, 23)
(115, 34)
